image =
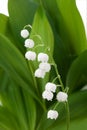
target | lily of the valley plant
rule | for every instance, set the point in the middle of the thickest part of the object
(43, 66)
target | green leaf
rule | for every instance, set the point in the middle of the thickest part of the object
(42, 35)
(15, 105)
(68, 24)
(12, 61)
(77, 124)
(5, 29)
(74, 26)
(67, 27)
(7, 120)
(77, 75)
(30, 109)
(21, 12)
(42, 28)
(3, 23)
(3, 80)
(21, 105)
(62, 58)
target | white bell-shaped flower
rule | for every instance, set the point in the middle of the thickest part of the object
(45, 66)
(50, 87)
(52, 114)
(43, 57)
(39, 73)
(62, 97)
(30, 55)
(24, 33)
(29, 43)
(47, 95)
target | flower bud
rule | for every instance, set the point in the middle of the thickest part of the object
(24, 33)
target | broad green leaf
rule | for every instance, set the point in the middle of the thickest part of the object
(7, 120)
(69, 44)
(42, 35)
(5, 29)
(68, 24)
(30, 109)
(21, 12)
(21, 105)
(61, 55)
(77, 75)
(62, 58)
(75, 33)
(3, 23)
(12, 61)
(77, 124)
(15, 105)
(42, 28)
(3, 80)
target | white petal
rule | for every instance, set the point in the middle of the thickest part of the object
(47, 95)
(62, 97)
(45, 66)
(24, 33)
(52, 114)
(30, 55)
(39, 73)
(43, 57)
(50, 87)
(29, 43)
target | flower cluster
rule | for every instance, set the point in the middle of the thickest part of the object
(24, 33)
(43, 58)
(43, 68)
(50, 88)
(29, 43)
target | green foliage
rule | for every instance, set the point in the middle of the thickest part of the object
(21, 13)
(59, 26)
(41, 27)
(77, 72)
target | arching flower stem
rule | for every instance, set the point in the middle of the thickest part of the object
(56, 105)
(28, 26)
